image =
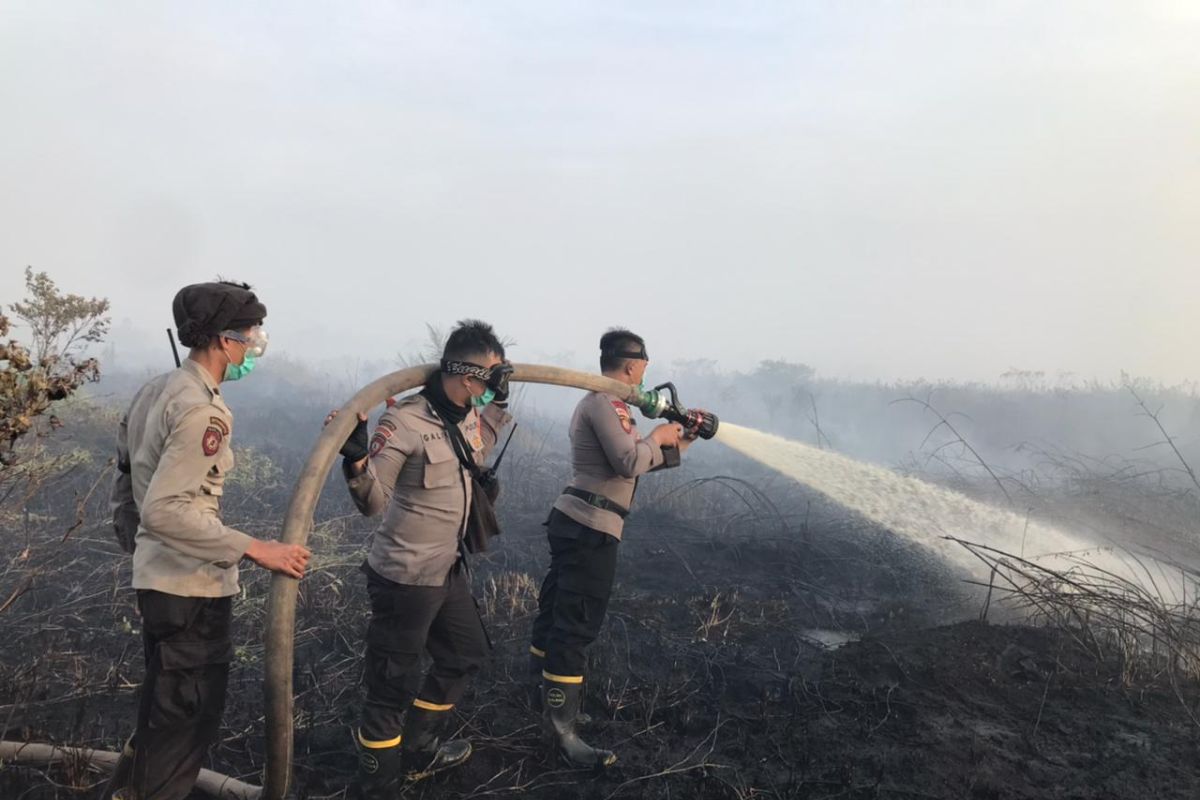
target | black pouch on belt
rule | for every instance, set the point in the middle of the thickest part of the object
(482, 524)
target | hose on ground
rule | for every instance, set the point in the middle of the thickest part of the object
(36, 754)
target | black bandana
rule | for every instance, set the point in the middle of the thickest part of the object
(435, 393)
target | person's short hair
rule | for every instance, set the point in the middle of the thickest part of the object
(616, 347)
(471, 338)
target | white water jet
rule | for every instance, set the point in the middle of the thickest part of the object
(926, 513)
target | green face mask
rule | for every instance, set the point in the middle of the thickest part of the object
(483, 399)
(235, 372)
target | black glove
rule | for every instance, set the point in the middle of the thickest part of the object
(498, 382)
(355, 448)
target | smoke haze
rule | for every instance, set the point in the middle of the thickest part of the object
(880, 190)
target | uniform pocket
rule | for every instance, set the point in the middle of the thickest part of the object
(188, 687)
(441, 465)
(192, 690)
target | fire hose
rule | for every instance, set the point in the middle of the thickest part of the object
(662, 402)
(281, 608)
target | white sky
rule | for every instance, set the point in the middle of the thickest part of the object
(879, 189)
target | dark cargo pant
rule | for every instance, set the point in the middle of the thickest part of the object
(405, 621)
(183, 696)
(574, 595)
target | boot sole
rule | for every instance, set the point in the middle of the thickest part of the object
(413, 777)
(599, 766)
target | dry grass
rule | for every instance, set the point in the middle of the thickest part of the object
(509, 595)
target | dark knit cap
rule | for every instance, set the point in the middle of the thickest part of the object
(209, 308)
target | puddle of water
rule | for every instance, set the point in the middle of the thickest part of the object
(829, 639)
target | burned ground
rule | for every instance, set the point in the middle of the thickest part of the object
(718, 674)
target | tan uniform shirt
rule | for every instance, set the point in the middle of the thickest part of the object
(175, 440)
(415, 477)
(608, 454)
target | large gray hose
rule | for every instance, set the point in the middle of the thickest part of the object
(281, 609)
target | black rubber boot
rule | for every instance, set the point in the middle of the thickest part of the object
(120, 773)
(536, 666)
(425, 753)
(561, 703)
(380, 772)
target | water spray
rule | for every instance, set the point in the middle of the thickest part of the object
(696, 422)
(938, 518)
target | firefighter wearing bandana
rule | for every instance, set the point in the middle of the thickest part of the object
(413, 470)
(173, 456)
(584, 529)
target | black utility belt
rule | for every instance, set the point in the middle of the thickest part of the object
(597, 501)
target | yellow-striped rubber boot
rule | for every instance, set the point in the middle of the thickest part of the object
(562, 696)
(537, 665)
(425, 753)
(380, 769)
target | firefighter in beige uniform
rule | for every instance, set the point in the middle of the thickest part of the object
(584, 529)
(420, 593)
(173, 455)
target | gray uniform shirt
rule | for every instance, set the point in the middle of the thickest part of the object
(607, 454)
(175, 443)
(416, 480)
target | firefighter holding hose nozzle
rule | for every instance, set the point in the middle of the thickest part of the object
(584, 529)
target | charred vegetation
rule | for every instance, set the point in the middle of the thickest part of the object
(762, 643)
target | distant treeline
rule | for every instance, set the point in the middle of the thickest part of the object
(1024, 421)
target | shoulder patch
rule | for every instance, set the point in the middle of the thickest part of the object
(623, 415)
(211, 441)
(219, 424)
(384, 430)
